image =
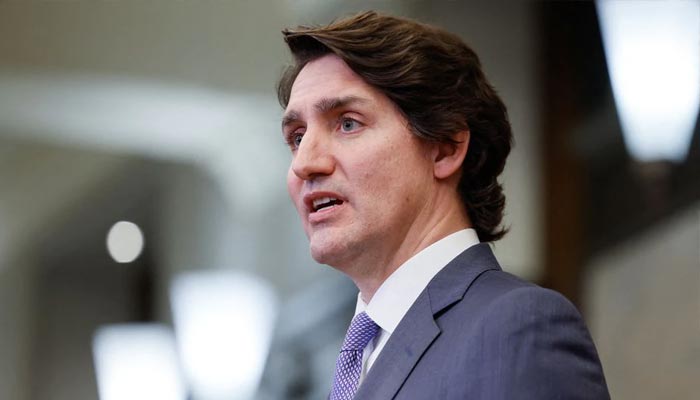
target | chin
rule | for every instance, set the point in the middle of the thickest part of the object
(322, 255)
(329, 253)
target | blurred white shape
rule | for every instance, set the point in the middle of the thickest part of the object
(124, 241)
(653, 54)
(137, 362)
(224, 322)
(116, 113)
(234, 135)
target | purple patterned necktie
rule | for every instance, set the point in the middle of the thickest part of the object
(349, 365)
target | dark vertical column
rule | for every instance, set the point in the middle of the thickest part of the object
(563, 175)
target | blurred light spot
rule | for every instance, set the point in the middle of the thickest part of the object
(224, 322)
(137, 362)
(124, 242)
(653, 55)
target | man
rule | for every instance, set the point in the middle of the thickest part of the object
(397, 141)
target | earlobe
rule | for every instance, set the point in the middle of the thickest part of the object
(448, 157)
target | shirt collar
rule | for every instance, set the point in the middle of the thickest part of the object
(401, 289)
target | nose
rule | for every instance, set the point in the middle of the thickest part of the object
(313, 158)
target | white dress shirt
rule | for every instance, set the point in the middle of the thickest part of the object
(401, 289)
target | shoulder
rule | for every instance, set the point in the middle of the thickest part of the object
(500, 303)
(534, 341)
(510, 309)
(502, 293)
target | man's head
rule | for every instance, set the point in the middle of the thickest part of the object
(362, 183)
(436, 84)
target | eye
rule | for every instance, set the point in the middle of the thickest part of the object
(349, 124)
(296, 140)
(293, 137)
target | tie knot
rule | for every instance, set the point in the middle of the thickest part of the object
(362, 330)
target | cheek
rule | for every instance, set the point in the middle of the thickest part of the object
(375, 180)
(404, 174)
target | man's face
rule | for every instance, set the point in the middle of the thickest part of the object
(358, 177)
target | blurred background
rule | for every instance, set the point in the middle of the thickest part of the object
(148, 249)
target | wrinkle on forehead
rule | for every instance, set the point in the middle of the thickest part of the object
(326, 105)
(331, 69)
(327, 84)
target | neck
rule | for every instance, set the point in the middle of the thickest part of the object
(437, 223)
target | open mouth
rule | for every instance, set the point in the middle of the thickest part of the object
(325, 203)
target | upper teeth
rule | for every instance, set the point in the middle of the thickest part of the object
(323, 200)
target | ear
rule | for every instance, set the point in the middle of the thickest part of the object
(448, 157)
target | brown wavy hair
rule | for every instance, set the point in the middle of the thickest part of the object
(436, 81)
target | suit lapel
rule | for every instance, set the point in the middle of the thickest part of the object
(418, 329)
(406, 345)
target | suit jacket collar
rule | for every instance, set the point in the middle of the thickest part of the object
(418, 329)
(450, 285)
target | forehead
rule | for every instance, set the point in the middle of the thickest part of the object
(329, 76)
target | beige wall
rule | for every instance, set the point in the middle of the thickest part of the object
(643, 307)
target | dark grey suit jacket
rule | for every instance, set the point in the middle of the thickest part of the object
(477, 332)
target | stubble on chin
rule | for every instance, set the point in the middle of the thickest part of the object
(327, 252)
(333, 251)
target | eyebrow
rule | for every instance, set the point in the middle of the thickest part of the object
(325, 105)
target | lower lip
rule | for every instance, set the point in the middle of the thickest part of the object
(325, 213)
